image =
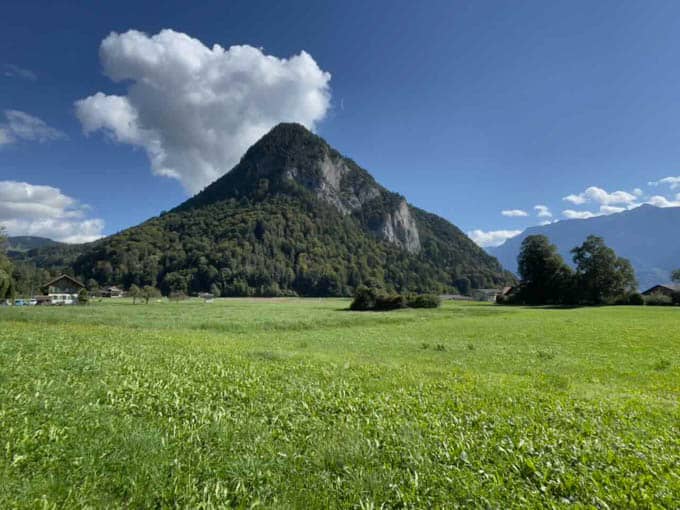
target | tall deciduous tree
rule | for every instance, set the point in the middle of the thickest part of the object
(676, 275)
(545, 276)
(6, 280)
(149, 292)
(135, 293)
(601, 275)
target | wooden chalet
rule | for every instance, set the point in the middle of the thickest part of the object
(63, 290)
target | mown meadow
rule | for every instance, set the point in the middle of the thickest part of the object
(300, 403)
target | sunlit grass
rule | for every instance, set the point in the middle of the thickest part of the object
(300, 403)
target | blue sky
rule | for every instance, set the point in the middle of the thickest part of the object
(468, 109)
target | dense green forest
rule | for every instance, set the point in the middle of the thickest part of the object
(280, 246)
(278, 225)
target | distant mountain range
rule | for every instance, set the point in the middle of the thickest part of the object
(648, 236)
(294, 217)
(22, 244)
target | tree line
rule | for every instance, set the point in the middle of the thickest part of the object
(599, 277)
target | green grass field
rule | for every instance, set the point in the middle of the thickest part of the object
(300, 403)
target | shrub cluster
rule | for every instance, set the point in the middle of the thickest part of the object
(378, 300)
(83, 297)
(631, 299)
(662, 299)
(423, 301)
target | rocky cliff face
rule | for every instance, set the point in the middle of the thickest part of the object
(333, 183)
(399, 227)
(330, 183)
(341, 184)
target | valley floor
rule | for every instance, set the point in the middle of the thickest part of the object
(301, 403)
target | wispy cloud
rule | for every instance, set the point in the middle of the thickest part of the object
(14, 71)
(514, 213)
(673, 182)
(20, 126)
(611, 209)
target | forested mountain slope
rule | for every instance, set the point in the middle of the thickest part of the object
(293, 217)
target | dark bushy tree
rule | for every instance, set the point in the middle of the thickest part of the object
(364, 299)
(636, 299)
(463, 285)
(546, 279)
(601, 276)
(174, 283)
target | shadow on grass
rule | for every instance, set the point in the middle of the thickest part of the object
(553, 307)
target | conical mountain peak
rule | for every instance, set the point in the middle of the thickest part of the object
(294, 217)
(291, 159)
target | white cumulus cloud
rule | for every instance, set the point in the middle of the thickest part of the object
(661, 201)
(493, 237)
(596, 195)
(34, 210)
(575, 199)
(20, 126)
(542, 211)
(195, 109)
(514, 213)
